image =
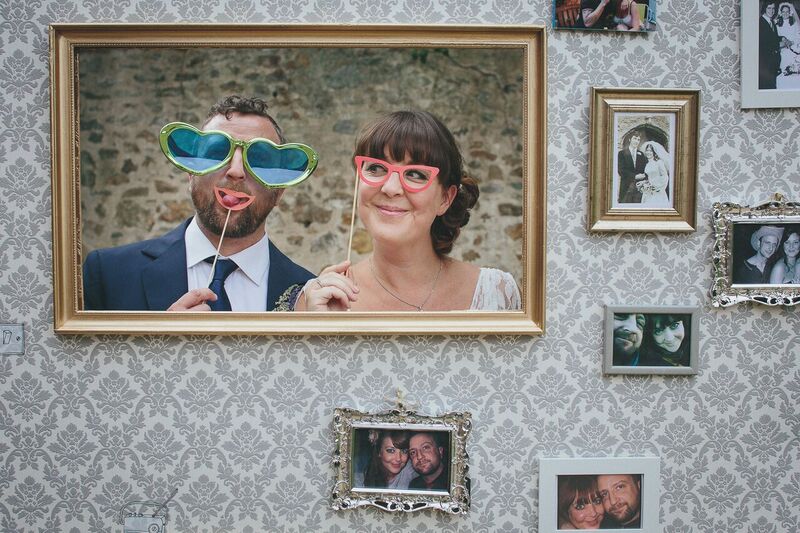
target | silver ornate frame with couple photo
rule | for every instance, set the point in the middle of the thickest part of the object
(756, 251)
(362, 437)
(643, 161)
(111, 187)
(586, 488)
(665, 341)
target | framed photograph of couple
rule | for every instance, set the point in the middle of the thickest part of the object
(770, 54)
(401, 461)
(643, 161)
(612, 15)
(756, 253)
(618, 494)
(127, 219)
(651, 340)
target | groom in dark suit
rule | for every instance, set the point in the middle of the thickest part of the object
(769, 43)
(171, 272)
(630, 166)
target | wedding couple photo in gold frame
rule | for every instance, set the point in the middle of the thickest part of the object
(114, 86)
(643, 163)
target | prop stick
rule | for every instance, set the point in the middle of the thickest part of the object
(352, 219)
(216, 255)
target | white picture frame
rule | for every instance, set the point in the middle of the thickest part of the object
(648, 468)
(787, 94)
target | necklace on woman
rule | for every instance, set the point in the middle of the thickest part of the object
(396, 297)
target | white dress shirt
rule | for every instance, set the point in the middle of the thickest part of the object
(246, 286)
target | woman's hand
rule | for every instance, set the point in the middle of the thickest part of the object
(332, 290)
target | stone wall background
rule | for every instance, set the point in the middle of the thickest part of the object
(242, 425)
(321, 97)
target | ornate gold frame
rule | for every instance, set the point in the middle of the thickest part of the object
(66, 40)
(684, 104)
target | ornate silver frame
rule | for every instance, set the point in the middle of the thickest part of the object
(345, 496)
(777, 211)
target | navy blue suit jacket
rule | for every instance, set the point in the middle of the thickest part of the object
(151, 275)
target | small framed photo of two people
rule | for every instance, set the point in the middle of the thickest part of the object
(651, 340)
(770, 55)
(756, 251)
(609, 493)
(613, 15)
(401, 461)
(643, 163)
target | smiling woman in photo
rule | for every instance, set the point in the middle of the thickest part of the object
(388, 465)
(667, 340)
(414, 197)
(580, 505)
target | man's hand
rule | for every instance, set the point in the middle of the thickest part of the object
(194, 300)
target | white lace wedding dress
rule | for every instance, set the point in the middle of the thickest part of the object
(496, 291)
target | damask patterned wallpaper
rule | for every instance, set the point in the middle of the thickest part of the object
(242, 425)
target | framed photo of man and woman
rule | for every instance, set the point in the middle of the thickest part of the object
(617, 494)
(756, 253)
(651, 340)
(770, 53)
(401, 461)
(643, 162)
(176, 145)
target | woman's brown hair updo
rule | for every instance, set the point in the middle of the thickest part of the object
(427, 141)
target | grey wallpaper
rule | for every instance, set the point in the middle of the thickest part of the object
(242, 425)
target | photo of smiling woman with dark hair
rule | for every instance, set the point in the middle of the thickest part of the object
(388, 465)
(414, 196)
(666, 340)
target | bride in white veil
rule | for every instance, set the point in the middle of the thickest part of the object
(658, 171)
(788, 27)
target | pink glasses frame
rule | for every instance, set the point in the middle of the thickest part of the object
(400, 169)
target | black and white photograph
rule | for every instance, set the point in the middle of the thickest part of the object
(643, 160)
(766, 254)
(755, 253)
(603, 493)
(611, 15)
(651, 340)
(644, 163)
(778, 46)
(770, 54)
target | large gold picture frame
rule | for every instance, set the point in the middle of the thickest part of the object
(75, 48)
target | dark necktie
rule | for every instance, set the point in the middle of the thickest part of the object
(223, 269)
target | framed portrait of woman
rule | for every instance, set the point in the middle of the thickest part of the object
(756, 251)
(401, 461)
(643, 161)
(270, 147)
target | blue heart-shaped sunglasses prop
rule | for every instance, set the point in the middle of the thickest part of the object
(275, 166)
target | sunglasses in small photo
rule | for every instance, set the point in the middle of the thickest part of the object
(275, 166)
